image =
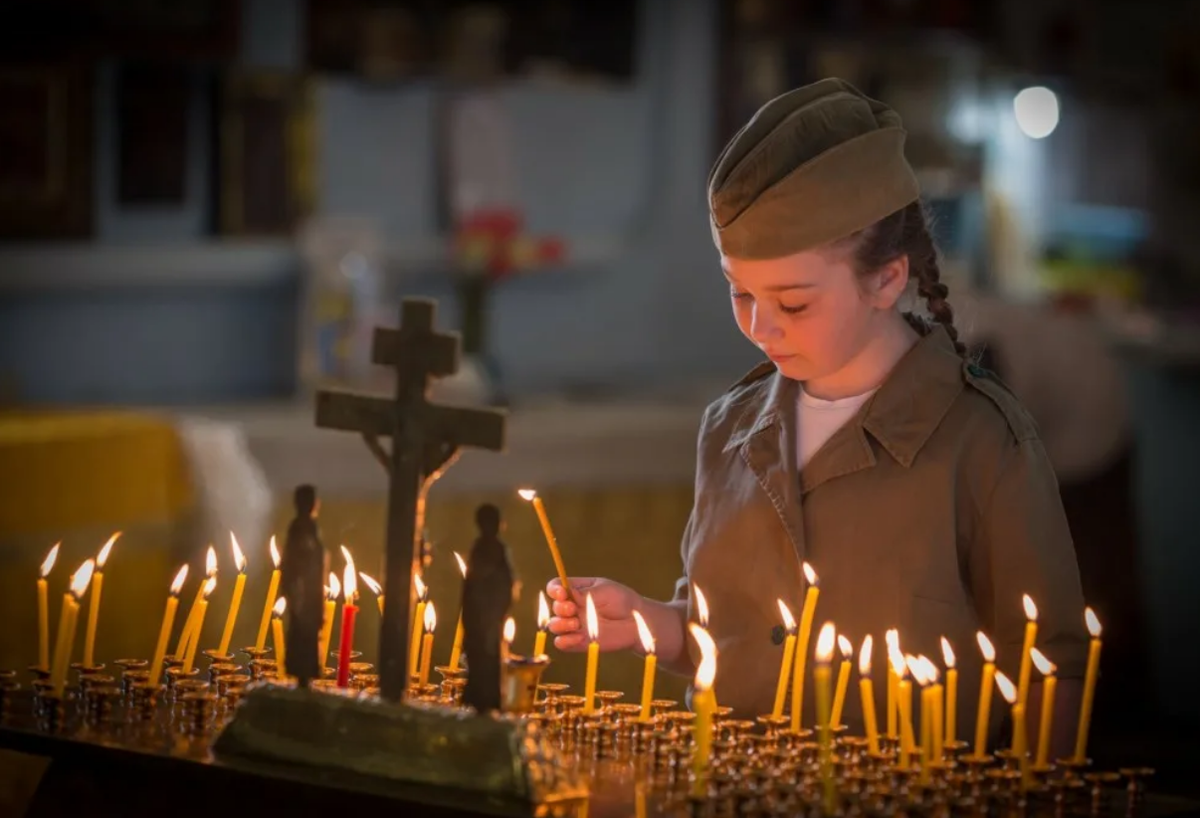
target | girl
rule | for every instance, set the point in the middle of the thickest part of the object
(911, 481)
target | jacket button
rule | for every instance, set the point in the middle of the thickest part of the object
(777, 634)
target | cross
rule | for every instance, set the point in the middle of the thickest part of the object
(425, 437)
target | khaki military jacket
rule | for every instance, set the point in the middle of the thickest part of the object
(932, 511)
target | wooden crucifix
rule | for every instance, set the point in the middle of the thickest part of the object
(425, 438)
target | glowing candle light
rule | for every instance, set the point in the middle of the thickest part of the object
(648, 645)
(985, 694)
(867, 694)
(702, 620)
(414, 644)
(531, 496)
(937, 713)
(349, 615)
(951, 691)
(903, 706)
(269, 604)
(1089, 686)
(89, 639)
(1019, 745)
(376, 589)
(543, 625)
(189, 624)
(789, 651)
(1031, 615)
(703, 705)
(332, 591)
(456, 648)
(843, 679)
(277, 638)
(821, 681)
(200, 608)
(43, 608)
(593, 657)
(916, 669)
(67, 621)
(1046, 720)
(239, 585)
(892, 643)
(168, 622)
(509, 633)
(427, 646)
(802, 640)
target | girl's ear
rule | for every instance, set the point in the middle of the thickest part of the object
(888, 283)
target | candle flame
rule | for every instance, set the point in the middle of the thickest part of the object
(349, 578)
(593, 622)
(1007, 689)
(948, 654)
(1030, 608)
(810, 574)
(701, 607)
(985, 647)
(370, 582)
(644, 633)
(81, 578)
(210, 562)
(510, 630)
(52, 557)
(892, 639)
(931, 672)
(915, 669)
(896, 658)
(280, 607)
(239, 559)
(335, 586)
(462, 564)
(422, 588)
(543, 620)
(527, 494)
(1089, 616)
(1044, 665)
(846, 647)
(210, 585)
(789, 622)
(180, 578)
(864, 656)
(102, 557)
(825, 641)
(430, 618)
(274, 552)
(706, 669)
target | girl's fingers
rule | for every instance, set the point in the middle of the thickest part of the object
(563, 625)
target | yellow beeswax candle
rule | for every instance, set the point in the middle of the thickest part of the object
(892, 643)
(66, 625)
(201, 608)
(843, 680)
(822, 677)
(272, 591)
(703, 705)
(702, 620)
(1089, 686)
(543, 622)
(985, 694)
(916, 670)
(866, 692)
(789, 652)
(540, 508)
(168, 622)
(648, 645)
(903, 710)
(427, 644)
(951, 734)
(189, 624)
(43, 608)
(802, 642)
(1031, 614)
(926, 732)
(937, 724)
(414, 644)
(279, 642)
(1046, 719)
(593, 657)
(89, 638)
(332, 591)
(456, 648)
(239, 585)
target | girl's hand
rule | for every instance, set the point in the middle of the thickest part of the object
(614, 603)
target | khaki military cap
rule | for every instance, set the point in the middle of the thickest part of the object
(811, 167)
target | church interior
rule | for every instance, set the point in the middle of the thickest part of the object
(208, 207)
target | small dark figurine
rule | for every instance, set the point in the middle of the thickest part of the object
(488, 593)
(302, 572)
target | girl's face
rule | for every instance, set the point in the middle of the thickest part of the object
(810, 313)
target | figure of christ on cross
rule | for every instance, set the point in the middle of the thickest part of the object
(425, 438)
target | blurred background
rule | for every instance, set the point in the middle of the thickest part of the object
(207, 205)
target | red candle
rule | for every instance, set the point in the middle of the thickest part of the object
(349, 613)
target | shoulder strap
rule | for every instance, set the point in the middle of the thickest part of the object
(1022, 424)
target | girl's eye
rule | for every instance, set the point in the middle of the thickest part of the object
(739, 296)
(793, 310)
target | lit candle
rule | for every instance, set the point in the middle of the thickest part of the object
(1046, 720)
(239, 560)
(985, 694)
(168, 622)
(43, 609)
(843, 679)
(1031, 613)
(510, 634)
(703, 705)
(916, 669)
(647, 639)
(951, 691)
(277, 638)
(349, 614)
(414, 645)
(456, 648)
(802, 640)
(593, 657)
(867, 694)
(376, 589)
(789, 651)
(1089, 686)
(332, 591)
(67, 621)
(1019, 749)
(937, 714)
(89, 639)
(269, 604)
(543, 625)
(201, 608)
(531, 496)
(903, 705)
(427, 644)
(821, 681)
(892, 642)
(189, 624)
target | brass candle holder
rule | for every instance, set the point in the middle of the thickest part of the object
(519, 682)
(216, 657)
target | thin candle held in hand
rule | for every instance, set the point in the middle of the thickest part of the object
(332, 591)
(189, 624)
(235, 602)
(789, 652)
(349, 615)
(648, 645)
(867, 694)
(66, 625)
(531, 496)
(593, 657)
(543, 625)
(43, 608)
(843, 679)
(1046, 718)
(456, 648)
(1089, 685)
(277, 638)
(89, 639)
(1031, 615)
(983, 718)
(951, 691)
(376, 589)
(430, 623)
(703, 705)
(269, 604)
(168, 622)
(802, 643)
